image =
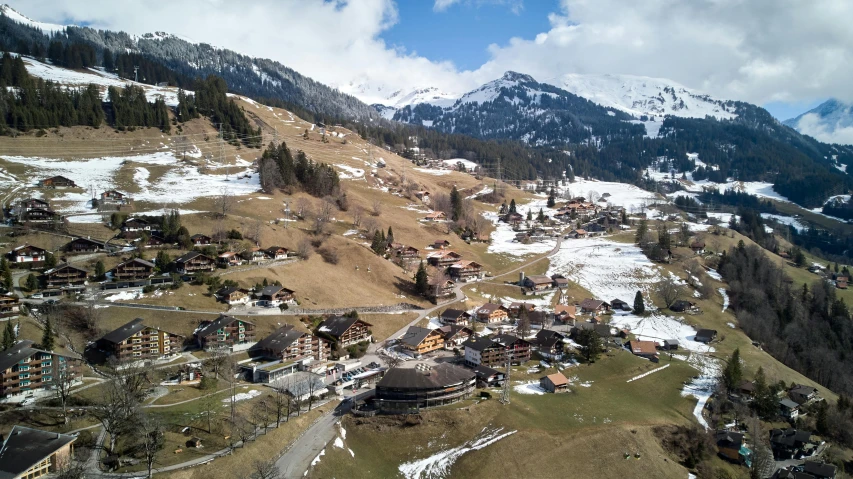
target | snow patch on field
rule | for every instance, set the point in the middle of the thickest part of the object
(468, 164)
(433, 172)
(725, 296)
(641, 376)
(703, 386)
(125, 296)
(351, 173)
(243, 396)
(438, 465)
(609, 270)
(786, 220)
(529, 388)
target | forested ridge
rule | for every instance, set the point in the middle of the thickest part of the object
(806, 327)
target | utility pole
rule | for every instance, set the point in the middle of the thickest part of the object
(136, 73)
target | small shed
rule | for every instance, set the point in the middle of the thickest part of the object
(554, 383)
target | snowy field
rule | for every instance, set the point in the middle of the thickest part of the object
(786, 220)
(631, 197)
(182, 184)
(609, 270)
(438, 465)
(468, 164)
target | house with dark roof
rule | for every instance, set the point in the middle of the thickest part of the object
(820, 470)
(65, 275)
(277, 253)
(28, 453)
(517, 350)
(684, 306)
(705, 335)
(730, 446)
(537, 282)
(27, 254)
(549, 344)
(26, 371)
(134, 268)
(594, 306)
(516, 307)
(345, 330)
(419, 341)
(113, 196)
(199, 239)
(84, 245)
(802, 394)
(787, 443)
(33, 203)
(565, 313)
(229, 258)
(10, 306)
(135, 227)
(233, 295)
(57, 182)
(481, 350)
(137, 341)
(273, 296)
(408, 390)
(454, 317)
(288, 344)
(560, 281)
(38, 215)
(455, 335)
(225, 332)
(488, 377)
(789, 409)
(603, 330)
(195, 262)
(466, 271)
(619, 305)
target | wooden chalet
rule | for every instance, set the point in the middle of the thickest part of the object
(418, 341)
(644, 349)
(39, 215)
(436, 216)
(114, 197)
(277, 253)
(538, 282)
(455, 317)
(229, 258)
(275, 295)
(33, 203)
(254, 255)
(491, 313)
(549, 344)
(154, 241)
(455, 335)
(288, 344)
(554, 383)
(84, 245)
(495, 352)
(65, 275)
(565, 313)
(406, 253)
(684, 306)
(594, 306)
(345, 331)
(28, 453)
(441, 244)
(517, 349)
(56, 182)
(516, 307)
(200, 240)
(195, 262)
(444, 289)
(698, 247)
(224, 332)
(134, 227)
(25, 370)
(233, 295)
(135, 268)
(466, 271)
(443, 258)
(136, 341)
(9, 306)
(27, 254)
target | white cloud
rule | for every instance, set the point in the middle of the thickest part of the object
(752, 50)
(811, 124)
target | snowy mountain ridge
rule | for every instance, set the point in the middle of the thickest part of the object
(652, 97)
(18, 17)
(830, 122)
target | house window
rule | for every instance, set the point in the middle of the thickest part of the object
(24, 368)
(25, 383)
(24, 375)
(47, 378)
(46, 364)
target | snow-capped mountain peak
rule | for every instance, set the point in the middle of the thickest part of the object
(18, 17)
(652, 97)
(830, 122)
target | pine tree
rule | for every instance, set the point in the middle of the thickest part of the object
(642, 230)
(8, 284)
(47, 336)
(590, 345)
(639, 303)
(32, 282)
(512, 206)
(378, 244)
(389, 238)
(8, 336)
(421, 280)
(822, 421)
(541, 216)
(49, 261)
(100, 271)
(529, 215)
(733, 372)
(551, 199)
(455, 204)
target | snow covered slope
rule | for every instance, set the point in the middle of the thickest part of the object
(830, 122)
(389, 105)
(76, 78)
(17, 17)
(638, 95)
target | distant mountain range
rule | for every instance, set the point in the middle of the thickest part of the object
(830, 122)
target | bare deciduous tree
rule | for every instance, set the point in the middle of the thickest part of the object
(117, 408)
(304, 249)
(62, 382)
(763, 463)
(265, 470)
(357, 215)
(69, 468)
(326, 208)
(377, 208)
(224, 202)
(254, 231)
(149, 438)
(303, 206)
(390, 360)
(370, 225)
(669, 291)
(319, 226)
(593, 196)
(280, 403)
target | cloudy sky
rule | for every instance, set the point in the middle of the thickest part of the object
(787, 55)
